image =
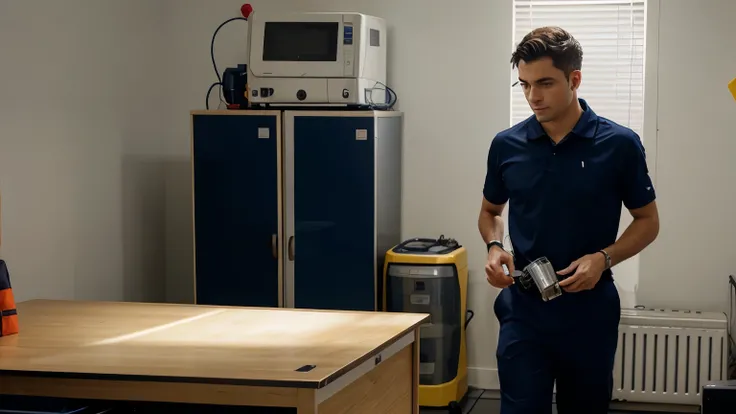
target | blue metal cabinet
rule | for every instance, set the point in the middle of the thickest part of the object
(342, 206)
(237, 188)
(306, 227)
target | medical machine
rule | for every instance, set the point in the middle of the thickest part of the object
(317, 58)
(306, 59)
(431, 276)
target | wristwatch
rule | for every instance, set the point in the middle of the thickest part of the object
(608, 258)
(492, 243)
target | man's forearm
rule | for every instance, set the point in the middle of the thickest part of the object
(490, 226)
(640, 233)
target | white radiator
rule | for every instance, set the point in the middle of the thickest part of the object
(666, 356)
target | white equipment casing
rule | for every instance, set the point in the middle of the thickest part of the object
(316, 58)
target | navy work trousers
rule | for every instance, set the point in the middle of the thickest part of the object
(569, 341)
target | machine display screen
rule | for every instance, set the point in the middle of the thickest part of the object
(300, 42)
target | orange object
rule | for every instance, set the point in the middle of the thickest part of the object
(732, 87)
(8, 312)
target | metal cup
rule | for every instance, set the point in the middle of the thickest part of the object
(545, 277)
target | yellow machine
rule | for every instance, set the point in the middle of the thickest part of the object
(431, 276)
(732, 87)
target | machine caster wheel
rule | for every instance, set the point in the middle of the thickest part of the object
(455, 408)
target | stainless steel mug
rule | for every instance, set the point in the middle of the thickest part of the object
(541, 274)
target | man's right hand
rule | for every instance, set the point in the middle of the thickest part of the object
(495, 274)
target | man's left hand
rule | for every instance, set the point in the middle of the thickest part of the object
(588, 270)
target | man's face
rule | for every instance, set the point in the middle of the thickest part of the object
(546, 88)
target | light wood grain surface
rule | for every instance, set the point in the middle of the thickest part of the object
(248, 346)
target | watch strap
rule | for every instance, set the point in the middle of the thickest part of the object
(608, 258)
(492, 243)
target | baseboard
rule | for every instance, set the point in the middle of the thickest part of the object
(487, 379)
(483, 378)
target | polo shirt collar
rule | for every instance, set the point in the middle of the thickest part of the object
(585, 128)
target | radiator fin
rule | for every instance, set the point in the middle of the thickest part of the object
(668, 364)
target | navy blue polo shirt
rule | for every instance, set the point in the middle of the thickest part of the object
(565, 199)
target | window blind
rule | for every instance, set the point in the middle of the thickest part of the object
(612, 35)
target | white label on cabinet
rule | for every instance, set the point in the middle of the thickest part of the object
(361, 134)
(264, 133)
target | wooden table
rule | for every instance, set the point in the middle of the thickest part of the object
(323, 362)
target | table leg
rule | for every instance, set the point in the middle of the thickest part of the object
(415, 373)
(391, 387)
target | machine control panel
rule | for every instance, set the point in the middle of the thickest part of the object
(264, 92)
(348, 55)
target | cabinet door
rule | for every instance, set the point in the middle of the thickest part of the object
(332, 212)
(236, 209)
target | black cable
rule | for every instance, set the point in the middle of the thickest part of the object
(207, 99)
(391, 100)
(393, 97)
(467, 321)
(212, 44)
(478, 398)
(214, 64)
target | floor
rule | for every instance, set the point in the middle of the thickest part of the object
(487, 402)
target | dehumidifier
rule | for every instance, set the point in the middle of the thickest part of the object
(431, 276)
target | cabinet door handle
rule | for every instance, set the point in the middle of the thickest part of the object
(291, 248)
(274, 246)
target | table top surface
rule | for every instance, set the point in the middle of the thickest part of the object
(167, 342)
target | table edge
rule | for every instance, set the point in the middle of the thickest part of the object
(307, 384)
(304, 384)
(357, 362)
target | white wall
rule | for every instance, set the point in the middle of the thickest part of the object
(80, 170)
(688, 266)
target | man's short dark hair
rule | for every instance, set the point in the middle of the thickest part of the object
(553, 42)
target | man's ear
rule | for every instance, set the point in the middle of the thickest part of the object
(576, 77)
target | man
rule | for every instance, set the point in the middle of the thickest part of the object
(565, 172)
